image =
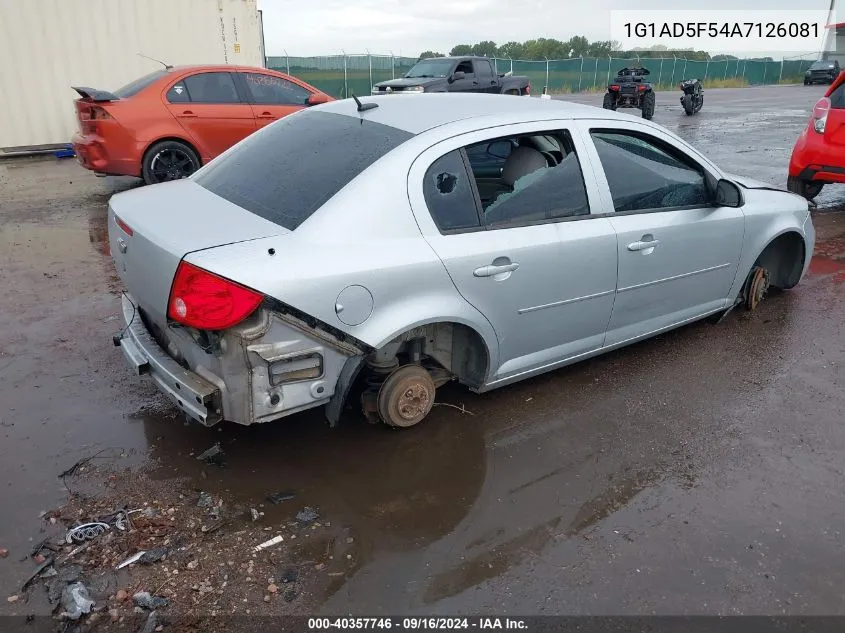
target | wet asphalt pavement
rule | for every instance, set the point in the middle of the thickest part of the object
(699, 472)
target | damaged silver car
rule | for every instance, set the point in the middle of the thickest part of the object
(393, 246)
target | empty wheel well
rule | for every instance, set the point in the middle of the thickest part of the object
(456, 347)
(783, 258)
(175, 139)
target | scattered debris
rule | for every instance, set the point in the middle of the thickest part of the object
(461, 408)
(122, 595)
(152, 623)
(213, 455)
(278, 497)
(85, 532)
(132, 559)
(271, 588)
(3, 552)
(205, 500)
(37, 571)
(12, 599)
(193, 564)
(307, 515)
(65, 576)
(153, 555)
(76, 601)
(267, 598)
(289, 575)
(273, 541)
(255, 514)
(148, 601)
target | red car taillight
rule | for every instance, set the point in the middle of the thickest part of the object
(202, 300)
(641, 88)
(820, 111)
(528, 89)
(614, 88)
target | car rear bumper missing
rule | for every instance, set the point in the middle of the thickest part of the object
(195, 396)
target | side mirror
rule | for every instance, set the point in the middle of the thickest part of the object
(728, 194)
(317, 98)
(457, 75)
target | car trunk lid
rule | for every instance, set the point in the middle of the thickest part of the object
(151, 229)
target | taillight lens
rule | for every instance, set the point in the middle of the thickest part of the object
(528, 89)
(641, 88)
(124, 226)
(202, 300)
(614, 88)
(820, 111)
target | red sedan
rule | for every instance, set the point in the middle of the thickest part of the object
(166, 125)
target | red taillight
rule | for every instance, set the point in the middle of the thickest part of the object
(202, 300)
(614, 88)
(124, 226)
(820, 111)
(528, 89)
(641, 88)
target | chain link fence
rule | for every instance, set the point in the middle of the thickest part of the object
(344, 75)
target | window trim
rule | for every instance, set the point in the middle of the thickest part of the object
(671, 149)
(515, 224)
(184, 79)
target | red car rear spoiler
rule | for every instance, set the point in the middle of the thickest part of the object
(95, 95)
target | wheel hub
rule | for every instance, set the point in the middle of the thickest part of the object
(413, 401)
(757, 287)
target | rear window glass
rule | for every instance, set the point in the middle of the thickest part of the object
(138, 85)
(289, 169)
(837, 97)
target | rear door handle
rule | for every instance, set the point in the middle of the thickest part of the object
(187, 114)
(491, 270)
(266, 115)
(643, 245)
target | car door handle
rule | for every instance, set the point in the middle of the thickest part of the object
(492, 269)
(643, 245)
(188, 114)
(266, 115)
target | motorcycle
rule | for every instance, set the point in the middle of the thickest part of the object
(693, 97)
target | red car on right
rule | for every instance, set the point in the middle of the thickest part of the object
(818, 157)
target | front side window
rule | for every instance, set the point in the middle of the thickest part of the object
(212, 88)
(465, 67)
(516, 180)
(645, 174)
(272, 90)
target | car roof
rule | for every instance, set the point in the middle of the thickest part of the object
(417, 113)
(220, 67)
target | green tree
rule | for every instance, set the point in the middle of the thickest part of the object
(513, 50)
(460, 50)
(485, 49)
(428, 54)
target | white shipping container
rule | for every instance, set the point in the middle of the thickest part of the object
(51, 45)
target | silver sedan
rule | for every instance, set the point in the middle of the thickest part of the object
(382, 248)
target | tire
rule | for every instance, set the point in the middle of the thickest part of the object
(169, 160)
(688, 105)
(648, 105)
(512, 92)
(608, 102)
(809, 189)
(406, 396)
(806, 83)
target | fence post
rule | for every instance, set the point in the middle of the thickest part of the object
(727, 65)
(581, 73)
(392, 66)
(345, 84)
(674, 61)
(780, 77)
(511, 58)
(660, 74)
(706, 69)
(547, 73)
(684, 71)
(596, 76)
(765, 68)
(609, 62)
(370, 64)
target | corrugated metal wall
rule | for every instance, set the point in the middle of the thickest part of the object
(50, 45)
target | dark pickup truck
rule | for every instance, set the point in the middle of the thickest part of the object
(455, 74)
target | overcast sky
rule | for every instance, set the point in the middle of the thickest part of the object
(323, 27)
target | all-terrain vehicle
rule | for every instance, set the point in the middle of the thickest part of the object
(629, 90)
(693, 97)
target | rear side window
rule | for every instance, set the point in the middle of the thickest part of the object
(449, 195)
(272, 90)
(212, 88)
(289, 169)
(138, 85)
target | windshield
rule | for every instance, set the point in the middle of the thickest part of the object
(821, 65)
(138, 85)
(289, 169)
(430, 68)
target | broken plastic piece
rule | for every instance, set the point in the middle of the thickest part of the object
(86, 532)
(213, 455)
(307, 515)
(153, 555)
(277, 497)
(273, 541)
(76, 601)
(132, 559)
(205, 500)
